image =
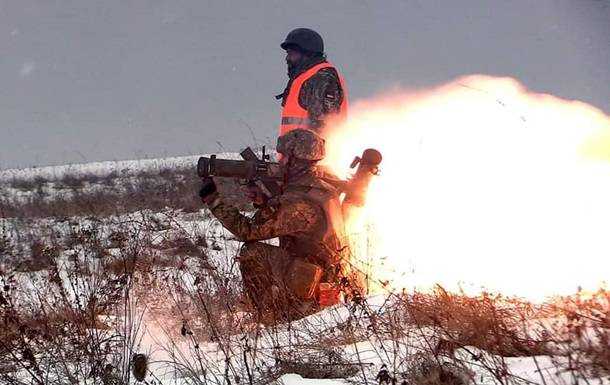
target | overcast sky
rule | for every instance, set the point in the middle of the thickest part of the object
(120, 79)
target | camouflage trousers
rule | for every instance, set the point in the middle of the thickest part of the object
(279, 285)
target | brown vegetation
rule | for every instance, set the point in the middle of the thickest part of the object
(92, 195)
(74, 287)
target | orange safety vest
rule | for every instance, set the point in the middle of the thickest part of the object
(293, 115)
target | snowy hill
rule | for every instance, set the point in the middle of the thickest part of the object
(105, 260)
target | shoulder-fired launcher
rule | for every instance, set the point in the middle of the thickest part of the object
(260, 170)
(251, 169)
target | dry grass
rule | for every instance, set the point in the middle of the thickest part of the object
(29, 184)
(70, 311)
(584, 326)
(73, 291)
(41, 257)
(91, 195)
(490, 322)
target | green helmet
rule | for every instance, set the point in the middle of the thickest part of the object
(301, 144)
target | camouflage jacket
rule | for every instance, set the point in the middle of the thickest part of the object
(291, 218)
(320, 95)
(288, 216)
(301, 223)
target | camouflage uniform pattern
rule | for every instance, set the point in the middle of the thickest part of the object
(302, 144)
(289, 219)
(265, 268)
(321, 95)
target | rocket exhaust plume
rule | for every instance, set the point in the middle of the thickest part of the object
(484, 186)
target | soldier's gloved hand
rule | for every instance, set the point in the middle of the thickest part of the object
(208, 190)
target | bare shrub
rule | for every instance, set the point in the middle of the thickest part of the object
(60, 328)
(71, 181)
(28, 184)
(318, 362)
(6, 247)
(41, 257)
(109, 180)
(428, 370)
(489, 322)
(75, 317)
(146, 192)
(581, 333)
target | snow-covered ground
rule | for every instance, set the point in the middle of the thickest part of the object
(53, 181)
(352, 341)
(101, 168)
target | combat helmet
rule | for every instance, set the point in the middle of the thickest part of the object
(305, 39)
(301, 144)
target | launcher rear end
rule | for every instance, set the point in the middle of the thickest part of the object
(368, 166)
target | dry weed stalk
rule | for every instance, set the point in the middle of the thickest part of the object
(74, 313)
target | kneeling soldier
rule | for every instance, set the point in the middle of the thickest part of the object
(283, 282)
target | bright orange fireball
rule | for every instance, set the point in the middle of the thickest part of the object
(483, 185)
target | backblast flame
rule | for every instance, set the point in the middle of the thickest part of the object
(484, 186)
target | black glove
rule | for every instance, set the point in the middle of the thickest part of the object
(208, 187)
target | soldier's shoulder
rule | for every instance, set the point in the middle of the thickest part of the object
(320, 178)
(325, 75)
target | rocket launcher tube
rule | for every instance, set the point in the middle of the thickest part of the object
(269, 173)
(242, 169)
(252, 170)
(271, 185)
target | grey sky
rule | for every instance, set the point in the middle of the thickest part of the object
(117, 79)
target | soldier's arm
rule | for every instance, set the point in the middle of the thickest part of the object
(321, 95)
(288, 219)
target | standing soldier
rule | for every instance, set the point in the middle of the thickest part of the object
(284, 282)
(315, 91)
